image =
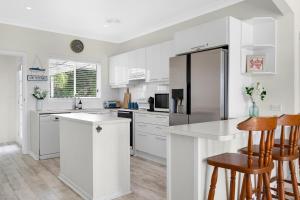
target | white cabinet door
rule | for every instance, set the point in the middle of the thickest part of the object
(122, 69)
(153, 60)
(206, 35)
(118, 70)
(167, 51)
(142, 141)
(158, 146)
(137, 64)
(112, 71)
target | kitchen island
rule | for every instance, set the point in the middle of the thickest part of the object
(95, 155)
(188, 147)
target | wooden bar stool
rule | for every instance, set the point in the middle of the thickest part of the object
(247, 163)
(285, 150)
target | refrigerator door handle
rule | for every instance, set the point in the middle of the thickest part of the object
(223, 84)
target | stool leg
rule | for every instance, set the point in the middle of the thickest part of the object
(266, 179)
(232, 185)
(248, 187)
(243, 190)
(280, 181)
(259, 187)
(213, 183)
(294, 180)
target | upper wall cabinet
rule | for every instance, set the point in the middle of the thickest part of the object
(137, 64)
(211, 34)
(118, 71)
(259, 39)
(157, 61)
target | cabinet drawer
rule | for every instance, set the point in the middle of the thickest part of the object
(158, 146)
(152, 119)
(151, 144)
(152, 129)
(142, 141)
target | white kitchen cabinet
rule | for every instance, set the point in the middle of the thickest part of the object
(153, 62)
(157, 57)
(137, 64)
(118, 71)
(167, 51)
(150, 136)
(211, 34)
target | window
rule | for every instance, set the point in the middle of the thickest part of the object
(68, 78)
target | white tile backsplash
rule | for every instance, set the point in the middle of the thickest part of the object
(141, 91)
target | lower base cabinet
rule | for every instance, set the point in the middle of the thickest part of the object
(150, 134)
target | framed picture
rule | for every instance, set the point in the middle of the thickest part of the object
(255, 63)
(37, 78)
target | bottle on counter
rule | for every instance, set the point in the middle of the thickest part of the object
(80, 105)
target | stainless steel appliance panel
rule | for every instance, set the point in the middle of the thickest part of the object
(178, 81)
(208, 86)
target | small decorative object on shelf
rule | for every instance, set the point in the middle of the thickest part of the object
(37, 72)
(255, 63)
(39, 95)
(255, 92)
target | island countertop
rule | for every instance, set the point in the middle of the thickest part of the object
(222, 130)
(92, 118)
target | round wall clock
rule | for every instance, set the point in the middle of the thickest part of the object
(77, 46)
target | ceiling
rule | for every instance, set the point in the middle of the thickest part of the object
(108, 20)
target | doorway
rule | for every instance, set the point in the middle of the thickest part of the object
(11, 100)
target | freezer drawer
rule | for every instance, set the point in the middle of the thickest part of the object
(49, 135)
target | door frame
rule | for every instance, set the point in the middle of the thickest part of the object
(23, 114)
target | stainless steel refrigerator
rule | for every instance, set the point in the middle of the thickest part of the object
(199, 87)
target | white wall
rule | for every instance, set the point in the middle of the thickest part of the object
(8, 99)
(47, 45)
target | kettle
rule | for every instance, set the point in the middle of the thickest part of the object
(151, 104)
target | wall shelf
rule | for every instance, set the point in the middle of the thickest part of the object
(259, 39)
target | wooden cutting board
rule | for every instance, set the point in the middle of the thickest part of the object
(127, 98)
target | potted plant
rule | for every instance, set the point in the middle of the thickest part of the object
(39, 95)
(255, 92)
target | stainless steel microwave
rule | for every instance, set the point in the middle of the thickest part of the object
(161, 102)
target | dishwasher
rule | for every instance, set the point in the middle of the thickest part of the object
(49, 136)
(129, 115)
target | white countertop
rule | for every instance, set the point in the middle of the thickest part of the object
(217, 130)
(92, 118)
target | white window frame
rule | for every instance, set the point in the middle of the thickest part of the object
(98, 80)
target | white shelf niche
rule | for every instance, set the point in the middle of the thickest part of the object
(259, 38)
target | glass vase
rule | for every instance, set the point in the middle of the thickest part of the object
(39, 105)
(253, 110)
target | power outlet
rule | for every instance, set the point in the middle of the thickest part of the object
(276, 107)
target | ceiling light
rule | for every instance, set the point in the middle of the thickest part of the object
(28, 8)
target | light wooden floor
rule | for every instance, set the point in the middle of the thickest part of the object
(22, 178)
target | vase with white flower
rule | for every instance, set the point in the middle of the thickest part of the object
(255, 92)
(39, 95)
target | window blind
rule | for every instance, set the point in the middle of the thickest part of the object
(69, 78)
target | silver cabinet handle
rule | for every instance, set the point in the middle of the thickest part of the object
(98, 129)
